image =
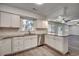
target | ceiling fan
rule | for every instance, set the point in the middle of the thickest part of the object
(65, 17)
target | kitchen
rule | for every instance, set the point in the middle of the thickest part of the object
(23, 30)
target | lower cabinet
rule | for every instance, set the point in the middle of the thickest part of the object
(5, 46)
(30, 42)
(57, 42)
(23, 43)
(17, 44)
(49, 40)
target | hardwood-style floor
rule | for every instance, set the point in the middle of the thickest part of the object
(39, 51)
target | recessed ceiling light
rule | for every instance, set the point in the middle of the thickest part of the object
(39, 3)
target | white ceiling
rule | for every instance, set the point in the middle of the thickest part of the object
(45, 9)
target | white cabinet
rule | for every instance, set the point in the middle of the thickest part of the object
(49, 39)
(9, 20)
(42, 24)
(33, 40)
(15, 22)
(5, 46)
(23, 43)
(57, 42)
(17, 44)
(27, 42)
(5, 19)
(30, 42)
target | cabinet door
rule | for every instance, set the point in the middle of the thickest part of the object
(5, 19)
(42, 24)
(33, 41)
(20, 43)
(27, 43)
(30, 42)
(5, 46)
(15, 22)
(49, 39)
(59, 43)
(15, 43)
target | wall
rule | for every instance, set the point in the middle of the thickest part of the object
(74, 30)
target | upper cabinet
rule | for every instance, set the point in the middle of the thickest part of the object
(5, 19)
(15, 21)
(42, 24)
(9, 20)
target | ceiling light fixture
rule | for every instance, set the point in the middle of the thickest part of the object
(39, 3)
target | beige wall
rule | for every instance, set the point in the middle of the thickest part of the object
(74, 30)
